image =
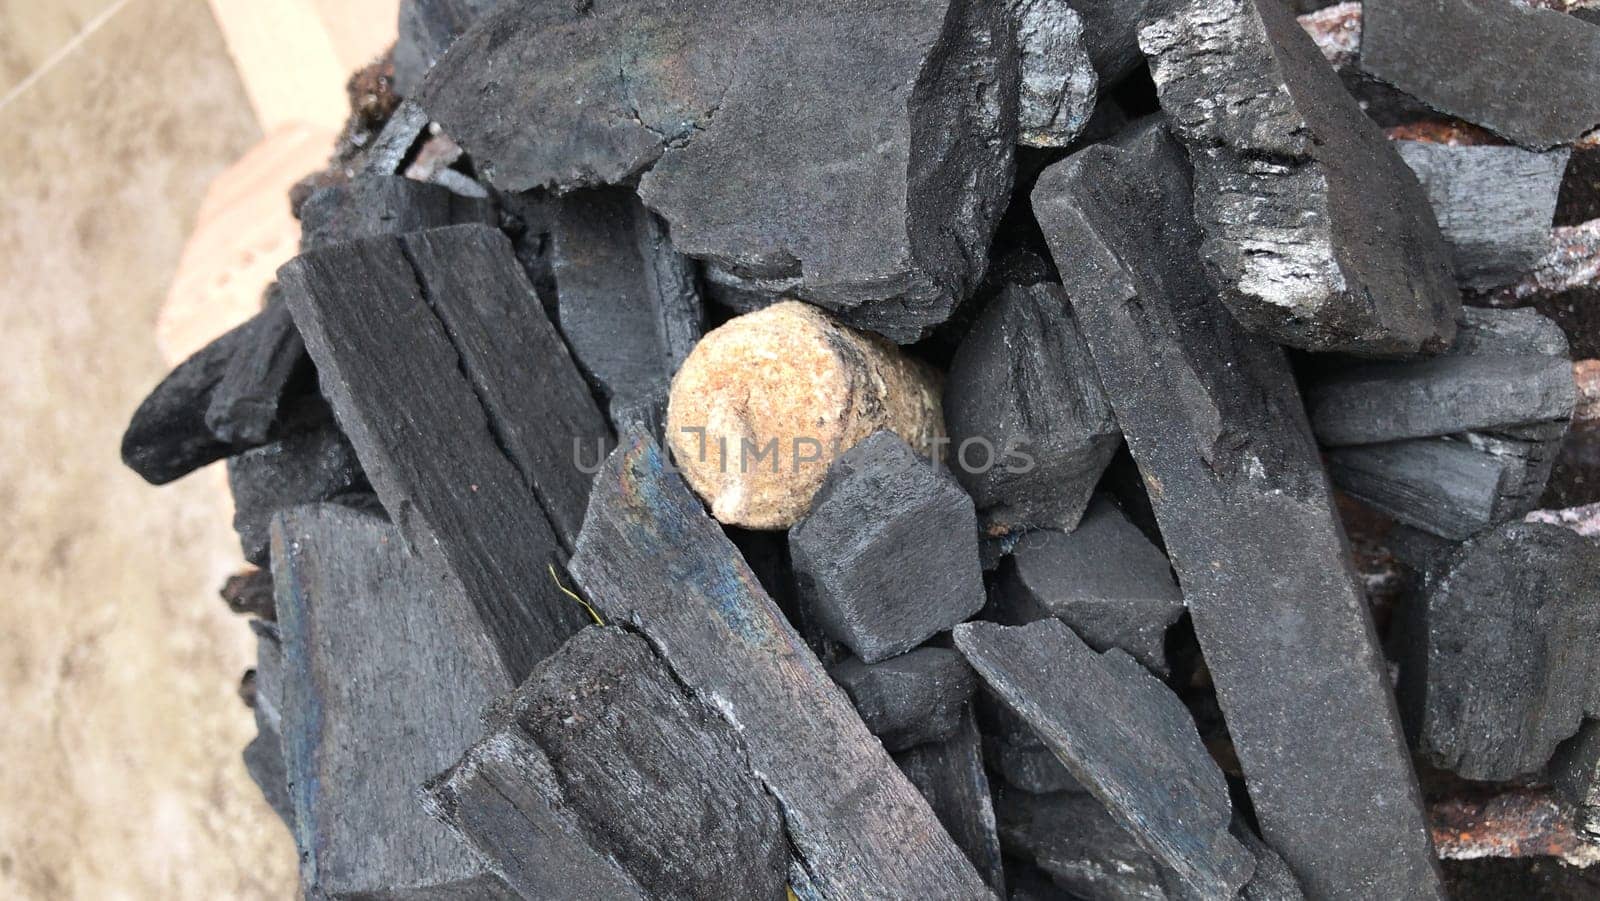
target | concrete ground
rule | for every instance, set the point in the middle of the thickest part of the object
(120, 728)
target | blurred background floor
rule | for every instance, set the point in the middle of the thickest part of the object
(120, 729)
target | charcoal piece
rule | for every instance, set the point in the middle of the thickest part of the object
(1505, 368)
(1110, 33)
(385, 670)
(874, 177)
(385, 205)
(1494, 205)
(306, 467)
(1125, 736)
(628, 303)
(911, 699)
(1087, 853)
(1104, 579)
(1500, 664)
(1218, 430)
(1016, 752)
(263, 756)
(250, 593)
(1539, 87)
(392, 149)
(1029, 425)
(1272, 880)
(1059, 82)
(1575, 772)
(247, 400)
(167, 437)
(888, 555)
(427, 29)
(487, 887)
(650, 557)
(1453, 487)
(1291, 181)
(656, 780)
(423, 346)
(951, 777)
(505, 796)
(1336, 30)
(263, 761)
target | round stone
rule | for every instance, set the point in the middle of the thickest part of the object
(765, 403)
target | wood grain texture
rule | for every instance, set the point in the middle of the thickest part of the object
(429, 419)
(649, 556)
(386, 670)
(951, 777)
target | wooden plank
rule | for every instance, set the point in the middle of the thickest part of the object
(386, 669)
(434, 447)
(649, 556)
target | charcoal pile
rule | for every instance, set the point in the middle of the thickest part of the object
(938, 449)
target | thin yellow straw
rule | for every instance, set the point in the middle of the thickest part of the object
(569, 593)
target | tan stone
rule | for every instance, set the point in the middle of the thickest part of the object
(765, 403)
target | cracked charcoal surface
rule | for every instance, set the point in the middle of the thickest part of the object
(1291, 183)
(1104, 579)
(627, 302)
(1494, 205)
(864, 149)
(1537, 83)
(421, 344)
(356, 610)
(1500, 662)
(649, 556)
(659, 780)
(888, 555)
(1505, 368)
(1059, 83)
(909, 700)
(1213, 419)
(1023, 404)
(1126, 737)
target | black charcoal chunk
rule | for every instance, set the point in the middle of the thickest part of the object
(1104, 579)
(309, 466)
(888, 555)
(427, 29)
(1073, 838)
(1016, 752)
(911, 699)
(506, 798)
(263, 756)
(1530, 75)
(874, 177)
(1575, 772)
(951, 777)
(385, 205)
(1500, 663)
(386, 668)
(656, 780)
(1272, 880)
(1212, 418)
(1110, 32)
(628, 303)
(1126, 737)
(1028, 421)
(1292, 181)
(1505, 368)
(652, 558)
(263, 761)
(392, 149)
(1494, 205)
(168, 436)
(1059, 82)
(465, 410)
(1455, 486)
(247, 401)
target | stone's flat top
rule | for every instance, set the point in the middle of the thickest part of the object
(650, 557)
(1292, 180)
(1534, 75)
(1126, 737)
(1213, 419)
